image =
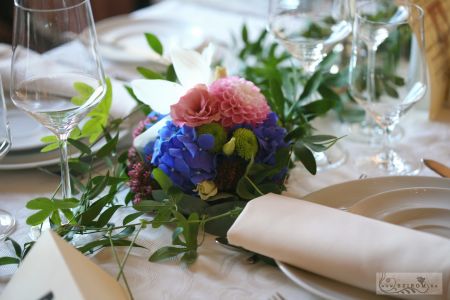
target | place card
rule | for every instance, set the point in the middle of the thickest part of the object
(437, 49)
(55, 270)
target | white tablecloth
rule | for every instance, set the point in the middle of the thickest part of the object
(219, 273)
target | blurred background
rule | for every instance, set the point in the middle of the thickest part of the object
(101, 8)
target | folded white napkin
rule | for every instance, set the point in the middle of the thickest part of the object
(122, 104)
(336, 244)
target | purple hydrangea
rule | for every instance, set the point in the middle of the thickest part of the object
(270, 138)
(183, 155)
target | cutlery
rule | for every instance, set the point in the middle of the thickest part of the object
(437, 167)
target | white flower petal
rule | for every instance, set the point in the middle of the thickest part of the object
(208, 54)
(150, 134)
(159, 94)
(191, 67)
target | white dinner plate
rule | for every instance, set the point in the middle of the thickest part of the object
(20, 160)
(345, 195)
(26, 132)
(122, 38)
(424, 209)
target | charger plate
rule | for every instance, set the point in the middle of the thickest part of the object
(345, 195)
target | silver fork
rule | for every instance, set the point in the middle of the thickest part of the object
(277, 296)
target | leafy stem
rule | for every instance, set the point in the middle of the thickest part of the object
(118, 263)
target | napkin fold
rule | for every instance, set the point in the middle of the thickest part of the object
(339, 245)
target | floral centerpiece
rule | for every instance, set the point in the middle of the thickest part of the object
(209, 144)
(213, 136)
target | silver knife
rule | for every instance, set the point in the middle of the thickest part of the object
(437, 167)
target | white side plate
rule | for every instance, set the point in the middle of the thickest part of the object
(345, 195)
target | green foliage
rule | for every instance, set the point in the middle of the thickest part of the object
(97, 118)
(154, 43)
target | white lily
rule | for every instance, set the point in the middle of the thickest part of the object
(191, 67)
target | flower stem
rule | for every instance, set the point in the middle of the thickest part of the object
(124, 260)
(118, 262)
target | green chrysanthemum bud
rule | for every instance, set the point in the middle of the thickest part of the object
(229, 147)
(246, 143)
(217, 131)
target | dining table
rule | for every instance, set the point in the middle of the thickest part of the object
(219, 272)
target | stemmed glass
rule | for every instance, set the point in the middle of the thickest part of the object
(7, 221)
(309, 29)
(43, 86)
(388, 74)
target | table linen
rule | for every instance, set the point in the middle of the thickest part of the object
(219, 273)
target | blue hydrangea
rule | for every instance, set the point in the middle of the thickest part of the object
(270, 138)
(183, 155)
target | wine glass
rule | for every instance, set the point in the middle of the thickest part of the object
(42, 85)
(388, 74)
(7, 221)
(308, 30)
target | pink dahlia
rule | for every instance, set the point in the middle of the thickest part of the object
(196, 108)
(240, 101)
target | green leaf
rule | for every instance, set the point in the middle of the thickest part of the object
(66, 203)
(390, 90)
(80, 146)
(7, 260)
(162, 179)
(311, 85)
(39, 217)
(98, 244)
(16, 246)
(49, 139)
(176, 237)
(175, 194)
(277, 97)
(95, 209)
(107, 215)
(50, 147)
(220, 226)
(149, 205)
(295, 134)
(149, 74)
(329, 94)
(244, 34)
(131, 217)
(245, 190)
(190, 204)
(26, 248)
(163, 216)
(154, 43)
(84, 90)
(327, 62)
(318, 107)
(108, 148)
(126, 232)
(165, 253)
(159, 195)
(40, 204)
(306, 157)
(55, 218)
(98, 188)
(320, 138)
(189, 257)
(171, 75)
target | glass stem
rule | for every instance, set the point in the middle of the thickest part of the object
(65, 174)
(387, 147)
(371, 73)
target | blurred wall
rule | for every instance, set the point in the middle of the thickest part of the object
(101, 8)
